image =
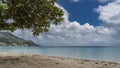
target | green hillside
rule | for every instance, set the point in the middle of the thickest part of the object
(8, 39)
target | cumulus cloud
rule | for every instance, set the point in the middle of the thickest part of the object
(75, 1)
(71, 34)
(66, 14)
(74, 34)
(110, 13)
(104, 1)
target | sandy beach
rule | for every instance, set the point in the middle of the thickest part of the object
(12, 60)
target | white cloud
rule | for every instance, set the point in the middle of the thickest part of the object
(110, 13)
(71, 33)
(74, 34)
(75, 1)
(66, 14)
(104, 1)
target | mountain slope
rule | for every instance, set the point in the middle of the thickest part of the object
(7, 39)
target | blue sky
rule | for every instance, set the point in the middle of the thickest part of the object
(83, 10)
(87, 23)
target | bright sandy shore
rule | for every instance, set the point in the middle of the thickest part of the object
(10, 60)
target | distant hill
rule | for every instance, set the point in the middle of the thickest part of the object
(8, 39)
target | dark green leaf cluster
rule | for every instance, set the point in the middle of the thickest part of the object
(35, 15)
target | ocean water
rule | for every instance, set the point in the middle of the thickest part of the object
(105, 53)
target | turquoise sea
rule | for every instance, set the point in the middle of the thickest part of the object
(105, 53)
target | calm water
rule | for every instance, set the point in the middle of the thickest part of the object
(96, 53)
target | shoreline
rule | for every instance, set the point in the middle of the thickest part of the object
(15, 60)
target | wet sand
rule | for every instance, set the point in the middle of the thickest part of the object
(12, 60)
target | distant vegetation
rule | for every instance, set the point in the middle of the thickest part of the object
(8, 39)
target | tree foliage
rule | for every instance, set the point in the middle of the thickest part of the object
(36, 15)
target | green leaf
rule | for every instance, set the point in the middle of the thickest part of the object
(30, 14)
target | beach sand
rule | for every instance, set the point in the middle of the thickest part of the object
(12, 60)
